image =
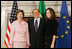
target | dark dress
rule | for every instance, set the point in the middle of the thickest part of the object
(51, 29)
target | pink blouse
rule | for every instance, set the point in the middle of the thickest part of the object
(19, 32)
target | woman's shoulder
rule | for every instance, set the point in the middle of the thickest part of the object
(55, 21)
(25, 23)
(14, 22)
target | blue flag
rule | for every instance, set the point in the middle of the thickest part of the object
(13, 16)
(63, 39)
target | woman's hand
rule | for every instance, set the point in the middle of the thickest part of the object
(52, 46)
(27, 46)
(53, 41)
(11, 46)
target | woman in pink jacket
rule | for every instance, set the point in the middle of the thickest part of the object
(19, 37)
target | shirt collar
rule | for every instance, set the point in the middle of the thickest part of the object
(37, 18)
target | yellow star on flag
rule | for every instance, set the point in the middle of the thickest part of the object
(64, 17)
(62, 36)
(59, 15)
(67, 21)
(66, 32)
(57, 37)
(68, 27)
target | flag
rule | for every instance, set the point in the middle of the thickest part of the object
(12, 18)
(63, 40)
(42, 9)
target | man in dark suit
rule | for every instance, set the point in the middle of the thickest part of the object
(37, 30)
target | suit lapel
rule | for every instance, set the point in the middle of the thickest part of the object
(33, 24)
(39, 24)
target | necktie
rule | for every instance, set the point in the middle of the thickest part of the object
(36, 25)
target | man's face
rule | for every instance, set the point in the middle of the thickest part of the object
(36, 13)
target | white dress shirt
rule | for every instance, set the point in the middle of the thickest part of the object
(38, 20)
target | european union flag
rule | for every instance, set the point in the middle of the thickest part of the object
(63, 39)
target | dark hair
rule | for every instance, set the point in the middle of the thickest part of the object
(20, 11)
(35, 9)
(52, 12)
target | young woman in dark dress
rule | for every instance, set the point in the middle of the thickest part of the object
(51, 28)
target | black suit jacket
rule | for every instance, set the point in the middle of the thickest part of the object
(37, 39)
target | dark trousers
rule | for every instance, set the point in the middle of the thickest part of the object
(37, 45)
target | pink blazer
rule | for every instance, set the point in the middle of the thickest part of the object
(19, 32)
